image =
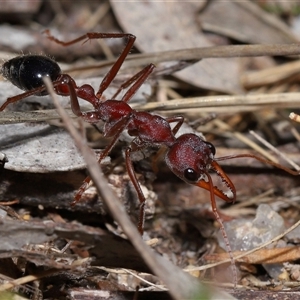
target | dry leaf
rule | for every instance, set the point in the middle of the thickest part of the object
(38, 147)
(173, 25)
(246, 22)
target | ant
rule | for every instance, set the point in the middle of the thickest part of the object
(188, 156)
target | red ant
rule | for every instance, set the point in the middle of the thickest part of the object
(188, 156)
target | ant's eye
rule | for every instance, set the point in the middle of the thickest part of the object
(190, 174)
(212, 148)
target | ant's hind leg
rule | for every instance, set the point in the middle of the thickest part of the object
(111, 74)
(22, 96)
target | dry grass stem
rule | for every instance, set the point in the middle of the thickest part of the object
(279, 153)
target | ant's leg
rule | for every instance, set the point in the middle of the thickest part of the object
(265, 161)
(139, 78)
(109, 77)
(66, 86)
(60, 88)
(115, 131)
(138, 189)
(219, 220)
(22, 96)
(178, 119)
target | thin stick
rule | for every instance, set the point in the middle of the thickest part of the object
(271, 147)
(207, 52)
(26, 279)
(246, 140)
(240, 102)
(216, 104)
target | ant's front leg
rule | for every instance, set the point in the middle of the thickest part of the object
(262, 160)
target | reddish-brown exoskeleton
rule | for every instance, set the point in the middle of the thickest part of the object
(188, 156)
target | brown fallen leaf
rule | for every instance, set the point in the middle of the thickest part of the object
(265, 256)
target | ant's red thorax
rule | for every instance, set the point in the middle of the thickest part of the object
(151, 129)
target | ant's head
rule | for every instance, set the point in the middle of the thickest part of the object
(190, 158)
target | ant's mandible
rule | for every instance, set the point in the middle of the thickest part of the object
(188, 156)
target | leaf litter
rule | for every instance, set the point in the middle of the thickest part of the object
(183, 222)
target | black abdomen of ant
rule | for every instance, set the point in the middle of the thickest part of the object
(27, 71)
